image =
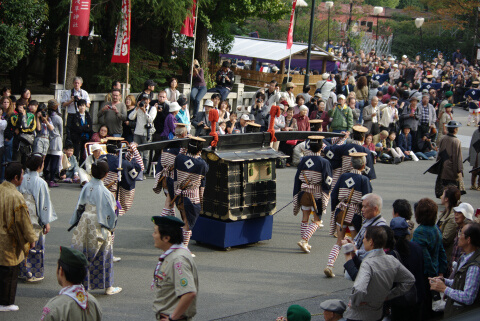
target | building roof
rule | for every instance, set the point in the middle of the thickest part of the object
(273, 50)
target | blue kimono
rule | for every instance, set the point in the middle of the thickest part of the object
(37, 196)
(361, 186)
(189, 183)
(318, 172)
(473, 93)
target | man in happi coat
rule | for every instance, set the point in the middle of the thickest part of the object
(94, 220)
(311, 190)
(164, 176)
(189, 184)
(345, 209)
(37, 196)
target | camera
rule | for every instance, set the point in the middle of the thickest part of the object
(197, 66)
(43, 109)
(259, 100)
(141, 104)
(148, 126)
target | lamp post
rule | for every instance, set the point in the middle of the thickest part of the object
(328, 5)
(300, 3)
(418, 23)
(377, 11)
(309, 52)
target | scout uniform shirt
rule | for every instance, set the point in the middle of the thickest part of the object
(177, 276)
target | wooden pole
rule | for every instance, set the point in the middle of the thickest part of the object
(68, 42)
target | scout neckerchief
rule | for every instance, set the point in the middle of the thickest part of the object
(76, 292)
(156, 274)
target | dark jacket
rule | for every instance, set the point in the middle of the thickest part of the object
(405, 142)
(81, 130)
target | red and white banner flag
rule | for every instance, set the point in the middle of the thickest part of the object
(121, 50)
(189, 23)
(80, 18)
(290, 28)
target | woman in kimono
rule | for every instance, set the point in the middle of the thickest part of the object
(94, 221)
(37, 196)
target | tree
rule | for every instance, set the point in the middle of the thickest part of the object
(21, 27)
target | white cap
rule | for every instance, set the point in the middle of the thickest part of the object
(174, 107)
(95, 147)
(208, 102)
(341, 97)
(466, 209)
(395, 66)
(245, 117)
(404, 56)
(325, 75)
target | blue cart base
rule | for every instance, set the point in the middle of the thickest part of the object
(227, 234)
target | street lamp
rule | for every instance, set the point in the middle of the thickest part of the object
(376, 12)
(309, 52)
(300, 3)
(418, 23)
(328, 5)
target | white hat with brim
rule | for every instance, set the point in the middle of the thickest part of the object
(173, 107)
(245, 117)
(341, 97)
(325, 76)
(95, 147)
(466, 209)
(208, 103)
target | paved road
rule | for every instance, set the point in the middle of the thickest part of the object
(253, 282)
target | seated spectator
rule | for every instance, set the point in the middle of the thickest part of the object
(200, 121)
(183, 115)
(381, 277)
(199, 87)
(369, 144)
(321, 114)
(303, 123)
(223, 114)
(241, 125)
(260, 112)
(404, 142)
(225, 80)
(428, 236)
(231, 123)
(296, 312)
(462, 288)
(81, 130)
(410, 254)
(70, 174)
(380, 142)
(299, 102)
(101, 135)
(222, 127)
(333, 310)
(172, 93)
(425, 148)
(86, 174)
(392, 151)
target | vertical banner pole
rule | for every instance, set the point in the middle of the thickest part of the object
(68, 43)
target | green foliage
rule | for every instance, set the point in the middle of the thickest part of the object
(21, 23)
(383, 3)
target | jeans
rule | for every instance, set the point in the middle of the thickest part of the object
(361, 104)
(117, 135)
(426, 155)
(196, 96)
(221, 90)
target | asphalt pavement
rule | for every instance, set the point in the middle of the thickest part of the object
(251, 282)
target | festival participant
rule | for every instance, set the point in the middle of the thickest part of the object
(474, 159)
(346, 209)
(17, 236)
(175, 279)
(189, 184)
(443, 120)
(94, 220)
(37, 196)
(86, 174)
(165, 174)
(311, 190)
(73, 302)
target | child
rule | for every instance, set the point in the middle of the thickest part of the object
(81, 130)
(222, 128)
(69, 173)
(231, 123)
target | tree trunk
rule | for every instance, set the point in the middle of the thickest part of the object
(72, 63)
(201, 45)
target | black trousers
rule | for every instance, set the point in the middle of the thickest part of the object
(8, 284)
(51, 168)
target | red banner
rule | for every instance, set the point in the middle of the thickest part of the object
(121, 50)
(290, 28)
(189, 23)
(79, 17)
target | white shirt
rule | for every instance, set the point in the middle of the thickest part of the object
(143, 119)
(3, 125)
(67, 95)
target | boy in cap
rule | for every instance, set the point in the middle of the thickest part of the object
(346, 200)
(175, 279)
(296, 312)
(333, 310)
(311, 190)
(189, 184)
(73, 302)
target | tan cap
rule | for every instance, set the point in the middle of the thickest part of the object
(360, 128)
(315, 121)
(290, 84)
(316, 137)
(115, 138)
(357, 154)
(199, 139)
(254, 125)
(180, 124)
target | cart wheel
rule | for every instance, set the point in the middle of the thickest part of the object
(227, 248)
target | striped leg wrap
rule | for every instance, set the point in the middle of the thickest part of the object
(172, 212)
(312, 227)
(303, 230)
(165, 212)
(332, 257)
(186, 237)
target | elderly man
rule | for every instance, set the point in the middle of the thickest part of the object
(427, 115)
(70, 99)
(113, 113)
(389, 118)
(333, 310)
(462, 291)
(371, 115)
(381, 277)
(241, 125)
(201, 122)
